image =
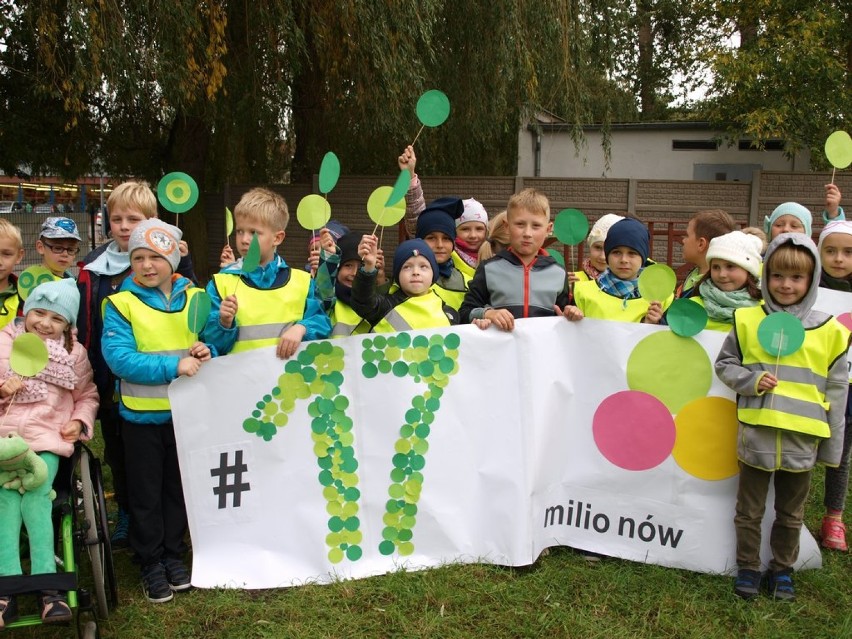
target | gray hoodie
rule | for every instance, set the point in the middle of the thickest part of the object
(775, 448)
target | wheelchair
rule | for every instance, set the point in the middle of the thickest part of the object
(80, 527)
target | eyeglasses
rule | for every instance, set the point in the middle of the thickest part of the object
(56, 249)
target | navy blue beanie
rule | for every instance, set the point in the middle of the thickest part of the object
(440, 215)
(630, 233)
(348, 247)
(412, 248)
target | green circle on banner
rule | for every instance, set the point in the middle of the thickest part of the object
(198, 312)
(400, 188)
(781, 334)
(329, 172)
(29, 355)
(229, 221)
(378, 210)
(570, 226)
(686, 318)
(177, 192)
(433, 108)
(657, 282)
(557, 255)
(251, 260)
(313, 212)
(838, 149)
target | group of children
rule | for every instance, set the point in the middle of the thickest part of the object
(133, 337)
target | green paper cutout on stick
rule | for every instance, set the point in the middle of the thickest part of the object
(199, 310)
(838, 149)
(781, 334)
(329, 172)
(657, 282)
(313, 212)
(557, 255)
(32, 277)
(686, 318)
(251, 260)
(229, 222)
(378, 210)
(29, 355)
(433, 108)
(177, 192)
(403, 181)
(570, 226)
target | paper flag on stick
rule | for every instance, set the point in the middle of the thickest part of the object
(570, 226)
(657, 282)
(229, 223)
(838, 149)
(29, 355)
(251, 260)
(177, 192)
(198, 311)
(686, 318)
(378, 210)
(433, 108)
(329, 173)
(781, 334)
(313, 212)
(400, 188)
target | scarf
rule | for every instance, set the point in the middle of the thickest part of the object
(464, 250)
(343, 293)
(446, 269)
(625, 289)
(720, 305)
(59, 371)
(835, 283)
(590, 270)
(111, 262)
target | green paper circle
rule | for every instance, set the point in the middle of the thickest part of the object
(557, 255)
(198, 312)
(657, 282)
(570, 226)
(838, 149)
(177, 192)
(378, 210)
(400, 188)
(251, 260)
(29, 355)
(31, 278)
(329, 172)
(686, 318)
(229, 221)
(313, 212)
(433, 108)
(781, 334)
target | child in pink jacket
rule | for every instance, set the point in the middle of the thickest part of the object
(50, 411)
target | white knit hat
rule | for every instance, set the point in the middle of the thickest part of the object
(601, 227)
(473, 212)
(737, 248)
(839, 226)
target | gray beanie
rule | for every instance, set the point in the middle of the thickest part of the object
(155, 235)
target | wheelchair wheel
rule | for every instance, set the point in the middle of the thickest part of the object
(96, 530)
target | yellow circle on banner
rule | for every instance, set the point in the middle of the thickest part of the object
(706, 440)
(178, 191)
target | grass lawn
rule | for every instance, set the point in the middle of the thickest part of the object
(561, 595)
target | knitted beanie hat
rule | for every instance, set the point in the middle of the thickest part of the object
(601, 227)
(440, 215)
(737, 248)
(630, 233)
(59, 296)
(840, 226)
(348, 246)
(473, 212)
(413, 248)
(789, 208)
(155, 235)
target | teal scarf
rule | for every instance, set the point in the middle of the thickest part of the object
(720, 305)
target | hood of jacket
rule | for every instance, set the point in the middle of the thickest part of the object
(803, 308)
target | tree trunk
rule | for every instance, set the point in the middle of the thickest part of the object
(647, 89)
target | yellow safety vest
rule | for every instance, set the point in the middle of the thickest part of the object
(466, 269)
(798, 402)
(713, 325)
(346, 321)
(423, 311)
(590, 299)
(157, 332)
(582, 276)
(452, 297)
(10, 309)
(285, 305)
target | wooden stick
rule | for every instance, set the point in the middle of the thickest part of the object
(418, 134)
(777, 360)
(833, 169)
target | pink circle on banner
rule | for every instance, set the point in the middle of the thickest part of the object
(846, 320)
(634, 430)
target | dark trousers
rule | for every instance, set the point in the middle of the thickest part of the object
(114, 450)
(158, 521)
(791, 493)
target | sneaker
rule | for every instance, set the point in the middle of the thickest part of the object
(54, 607)
(747, 584)
(8, 610)
(156, 586)
(779, 585)
(176, 574)
(119, 539)
(833, 533)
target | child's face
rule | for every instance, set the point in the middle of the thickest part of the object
(786, 224)
(46, 324)
(728, 276)
(473, 233)
(151, 269)
(58, 255)
(527, 232)
(836, 255)
(691, 250)
(624, 262)
(10, 256)
(267, 238)
(441, 245)
(121, 224)
(597, 257)
(347, 271)
(788, 287)
(415, 276)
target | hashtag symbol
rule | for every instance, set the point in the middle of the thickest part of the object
(224, 472)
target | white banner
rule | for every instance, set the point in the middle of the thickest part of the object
(363, 455)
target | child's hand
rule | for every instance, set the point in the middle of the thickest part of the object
(482, 323)
(381, 278)
(501, 318)
(290, 340)
(654, 314)
(188, 366)
(200, 351)
(571, 313)
(313, 259)
(183, 248)
(11, 386)
(71, 431)
(767, 382)
(368, 251)
(226, 256)
(832, 200)
(573, 277)
(327, 242)
(407, 160)
(227, 311)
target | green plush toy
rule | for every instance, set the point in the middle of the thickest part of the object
(21, 469)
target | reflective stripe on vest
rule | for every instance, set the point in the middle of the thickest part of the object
(156, 332)
(256, 307)
(346, 321)
(423, 311)
(590, 299)
(798, 402)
